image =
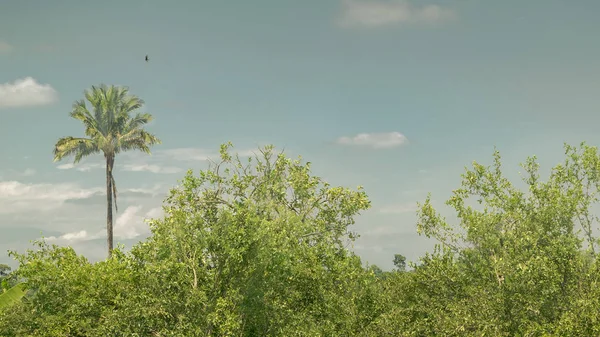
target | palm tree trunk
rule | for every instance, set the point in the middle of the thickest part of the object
(109, 203)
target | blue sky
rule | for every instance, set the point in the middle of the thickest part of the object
(432, 85)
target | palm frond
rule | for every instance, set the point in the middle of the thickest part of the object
(137, 121)
(133, 103)
(93, 129)
(124, 121)
(138, 139)
(79, 147)
(92, 95)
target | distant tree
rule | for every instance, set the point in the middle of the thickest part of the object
(376, 270)
(4, 270)
(110, 129)
(4, 283)
(400, 262)
(7, 279)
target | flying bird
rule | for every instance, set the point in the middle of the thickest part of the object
(147, 58)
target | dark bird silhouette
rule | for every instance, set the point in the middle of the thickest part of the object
(147, 58)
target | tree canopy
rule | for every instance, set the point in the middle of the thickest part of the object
(518, 263)
(252, 248)
(261, 248)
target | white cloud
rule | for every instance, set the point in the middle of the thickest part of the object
(60, 192)
(374, 13)
(74, 237)
(132, 223)
(399, 208)
(155, 213)
(16, 196)
(151, 168)
(375, 140)
(129, 225)
(26, 92)
(82, 167)
(5, 47)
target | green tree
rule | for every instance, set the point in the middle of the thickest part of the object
(517, 263)
(400, 262)
(244, 249)
(264, 243)
(110, 129)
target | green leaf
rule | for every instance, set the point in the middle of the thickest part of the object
(12, 296)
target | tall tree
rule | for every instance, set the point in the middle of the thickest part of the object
(110, 128)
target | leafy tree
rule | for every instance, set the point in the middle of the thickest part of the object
(244, 249)
(264, 243)
(400, 262)
(517, 264)
(110, 129)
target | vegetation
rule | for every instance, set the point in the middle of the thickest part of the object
(260, 248)
(111, 128)
(4, 270)
(12, 295)
(11, 291)
(255, 249)
(517, 264)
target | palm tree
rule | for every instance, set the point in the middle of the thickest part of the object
(110, 129)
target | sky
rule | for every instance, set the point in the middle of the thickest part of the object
(395, 95)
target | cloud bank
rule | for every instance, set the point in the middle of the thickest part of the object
(17, 197)
(26, 92)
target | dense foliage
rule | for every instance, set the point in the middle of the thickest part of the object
(261, 249)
